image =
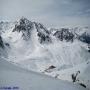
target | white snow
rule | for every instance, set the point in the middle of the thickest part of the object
(14, 76)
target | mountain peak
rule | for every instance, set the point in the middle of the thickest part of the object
(23, 25)
(27, 27)
(24, 20)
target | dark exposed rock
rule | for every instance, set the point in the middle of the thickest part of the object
(85, 38)
(25, 26)
(83, 85)
(40, 26)
(50, 68)
(44, 38)
(1, 43)
(43, 33)
(64, 34)
(7, 44)
(56, 76)
(74, 76)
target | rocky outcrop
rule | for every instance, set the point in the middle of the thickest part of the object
(1, 43)
(26, 27)
(64, 34)
(85, 38)
(43, 33)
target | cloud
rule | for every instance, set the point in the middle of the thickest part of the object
(50, 12)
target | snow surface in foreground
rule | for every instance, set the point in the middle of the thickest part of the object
(14, 76)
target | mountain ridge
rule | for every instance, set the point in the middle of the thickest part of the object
(50, 51)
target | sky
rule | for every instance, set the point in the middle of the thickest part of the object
(52, 13)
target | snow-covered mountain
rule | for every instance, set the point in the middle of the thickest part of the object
(62, 53)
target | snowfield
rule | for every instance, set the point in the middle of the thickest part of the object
(14, 76)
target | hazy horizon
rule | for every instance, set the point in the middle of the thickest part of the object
(49, 12)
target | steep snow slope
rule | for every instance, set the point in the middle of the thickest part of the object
(12, 76)
(57, 54)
